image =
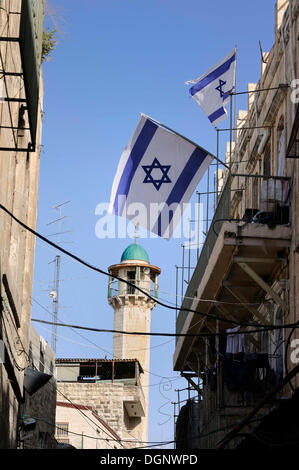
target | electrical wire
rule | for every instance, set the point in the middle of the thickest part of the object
(101, 271)
(82, 413)
(102, 349)
(154, 443)
(97, 438)
(176, 335)
(94, 345)
(65, 397)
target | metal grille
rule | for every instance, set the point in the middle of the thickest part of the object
(222, 212)
(62, 429)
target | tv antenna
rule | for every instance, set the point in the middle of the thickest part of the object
(54, 294)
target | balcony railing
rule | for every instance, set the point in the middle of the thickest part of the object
(244, 198)
(117, 288)
(222, 212)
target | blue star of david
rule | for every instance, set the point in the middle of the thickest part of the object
(219, 87)
(156, 182)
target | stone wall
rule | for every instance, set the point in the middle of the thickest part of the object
(19, 174)
(108, 401)
(81, 427)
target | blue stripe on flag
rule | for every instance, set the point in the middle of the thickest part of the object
(136, 155)
(212, 76)
(185, 178)
(195, 161)
(216, 115)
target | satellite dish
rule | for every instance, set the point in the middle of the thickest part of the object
(146, 270)
(53, 294)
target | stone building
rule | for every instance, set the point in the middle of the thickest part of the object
(81, 427)
(21, 92)
(109, 391)
(116, 389)
(39, 407)
(247, 271)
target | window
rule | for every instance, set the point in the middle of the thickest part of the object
(255, 193)
(280, 147)
(30, 353)
(41, 362)
(131, 278)
(267, 161)
(62, 429)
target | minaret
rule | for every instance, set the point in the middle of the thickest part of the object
(132, 311)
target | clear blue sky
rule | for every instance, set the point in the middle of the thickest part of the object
(115, 59)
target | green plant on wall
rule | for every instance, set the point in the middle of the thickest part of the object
(49, 43)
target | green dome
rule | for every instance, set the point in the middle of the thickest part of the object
(135, 251)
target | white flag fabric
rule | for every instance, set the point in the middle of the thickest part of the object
(212, 90)
(156, 176)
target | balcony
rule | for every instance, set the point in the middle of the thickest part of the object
(118, 288)
(134, 402)
(238, 263)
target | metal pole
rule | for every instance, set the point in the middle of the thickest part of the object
(208, 197)
(174, 425)
(189, 253)
(176, 290)
(206, 394)
(217, 166)
(180, 135)
(55, 302)
(198, 224)
(214, 206)
(217, 365)
(230, 133)
(230, 153)
(183, 271)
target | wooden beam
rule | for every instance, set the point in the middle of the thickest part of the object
(260, 282)
(259, 242)
(244, 302)
(210, 327)
(193, 376)
(192, 383)
(243, 259)
(239, 284)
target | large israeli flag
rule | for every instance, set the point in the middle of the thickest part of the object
(156, 176)
(212, 90)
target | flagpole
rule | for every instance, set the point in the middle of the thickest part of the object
(230, 154)
(183, 137)
(231, 135)
(235, 96)
(217, 167)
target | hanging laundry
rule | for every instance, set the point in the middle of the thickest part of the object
(235, 342)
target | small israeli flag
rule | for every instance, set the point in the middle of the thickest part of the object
(156, 176)
(212, 90)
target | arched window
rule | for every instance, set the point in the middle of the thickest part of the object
(280, 147)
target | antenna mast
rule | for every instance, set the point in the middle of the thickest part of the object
(57, 260)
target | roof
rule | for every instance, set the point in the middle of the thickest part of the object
(76, 359)
(135, 252)
(98, 360)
